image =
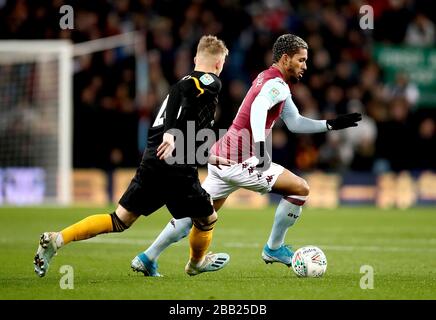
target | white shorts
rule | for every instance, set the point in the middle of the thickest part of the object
(221, 183)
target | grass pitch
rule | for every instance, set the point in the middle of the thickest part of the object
(400, 246)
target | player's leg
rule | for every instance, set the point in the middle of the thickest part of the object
(174, 231)
(91, 226)
(177, 229)
(193, 201)
(139, 198)
(200, 238)
(294, 191)
(276, 179)
(51, 242)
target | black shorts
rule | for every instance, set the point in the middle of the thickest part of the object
(156, 184)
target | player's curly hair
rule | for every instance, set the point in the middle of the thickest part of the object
(289, 44)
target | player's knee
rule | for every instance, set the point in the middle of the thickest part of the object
(204, 226)
(117, 224)
(207, 223)
(303, 188)
(125, 216)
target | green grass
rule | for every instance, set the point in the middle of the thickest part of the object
(399, 244)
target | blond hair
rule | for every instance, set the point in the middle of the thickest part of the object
(211, 45)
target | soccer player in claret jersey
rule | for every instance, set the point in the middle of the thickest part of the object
(157, 182)
(245, 142)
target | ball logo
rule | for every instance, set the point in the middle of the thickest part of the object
(316, 259)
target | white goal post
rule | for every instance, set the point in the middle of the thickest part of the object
(36, 92)
(35, 125)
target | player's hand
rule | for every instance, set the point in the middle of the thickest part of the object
(344, 121)
(263, 156)
(220, 161)
(167, 146)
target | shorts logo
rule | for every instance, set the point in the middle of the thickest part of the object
(206, 79)
(273, 93)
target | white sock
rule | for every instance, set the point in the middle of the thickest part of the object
(174, 231)
(59, 240)
(287, 212)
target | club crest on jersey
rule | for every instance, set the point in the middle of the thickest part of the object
(206, 79)
(273, 93)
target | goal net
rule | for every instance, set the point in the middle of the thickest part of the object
(36, 92)
(35, 122)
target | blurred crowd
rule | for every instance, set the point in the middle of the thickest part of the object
(110, 117)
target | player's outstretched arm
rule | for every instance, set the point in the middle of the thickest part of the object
(344, 121)
(298, 124)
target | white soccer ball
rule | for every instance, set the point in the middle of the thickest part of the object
(309, 261)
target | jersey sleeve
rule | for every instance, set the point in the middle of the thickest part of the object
(172, 108)
(297, 123)
(274, 91)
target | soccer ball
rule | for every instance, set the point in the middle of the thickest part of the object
(309, 261)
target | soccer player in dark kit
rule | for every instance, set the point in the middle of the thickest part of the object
(158, 181)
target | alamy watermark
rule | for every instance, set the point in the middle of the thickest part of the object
(367, 280)
(194, 148)
(366, 21)
(67, 20)
(67, 280)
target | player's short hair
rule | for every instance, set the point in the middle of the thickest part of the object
(212, 45)
(289, 44)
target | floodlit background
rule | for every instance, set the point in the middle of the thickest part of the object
(373, 57)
